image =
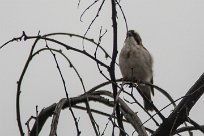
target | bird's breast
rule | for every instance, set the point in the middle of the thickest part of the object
(134, 63)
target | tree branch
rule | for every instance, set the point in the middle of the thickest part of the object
(180, 114)
(112, 66)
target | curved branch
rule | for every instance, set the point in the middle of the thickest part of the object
(188, 128)
(47, 112)
(69, 48)
(97, 15)
(81, 37)
(37, 38)
(130, 116)
(66, 92)
(96, 96)
(196, 125)
(14, 39)
(88, 9)
(68, 60)
(19, 82)
(179, 115)
(55, 117)
(165, 93)
(121, 9)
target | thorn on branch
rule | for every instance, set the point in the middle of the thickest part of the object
(92, 40)
(28, 122)
(84, 50)
(70, 65)
(24, 36)
(106, 55)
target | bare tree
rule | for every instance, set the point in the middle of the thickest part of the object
(121, 107)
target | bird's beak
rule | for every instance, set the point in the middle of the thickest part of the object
(128, 35)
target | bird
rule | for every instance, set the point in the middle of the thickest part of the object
(135, 63)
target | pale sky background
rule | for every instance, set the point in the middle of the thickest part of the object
(172, 30)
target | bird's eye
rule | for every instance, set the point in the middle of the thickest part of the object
(129, 34)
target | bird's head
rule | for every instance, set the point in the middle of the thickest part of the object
(135, 36)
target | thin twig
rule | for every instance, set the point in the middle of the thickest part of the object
(121, 9)
(188, 128)
(81, 37)
(88, 9)
(196, 125)
(36, 120)
(19, 82)
(65, 89)
(151, 117)
(94, 19)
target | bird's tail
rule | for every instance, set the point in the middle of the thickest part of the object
(147, 92)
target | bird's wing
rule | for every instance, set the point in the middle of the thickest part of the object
(152, 88)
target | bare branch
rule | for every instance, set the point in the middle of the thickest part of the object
(179, 115)
(81, 37)
(65, 89)
(196, 125)
(151, 117)
(28, 123)
(47, 112)
(121, 9)
(188, 128)
(55, 117)
(92, 4)
(97, 15)
(19, 82)
(112, 65)
(130, 116)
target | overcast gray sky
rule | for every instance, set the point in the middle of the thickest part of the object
(171, 30)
